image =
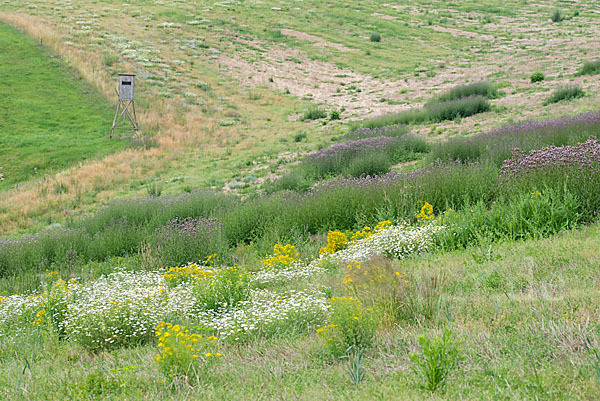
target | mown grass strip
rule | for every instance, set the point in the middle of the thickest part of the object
(49, 117)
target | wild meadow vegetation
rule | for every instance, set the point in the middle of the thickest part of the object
(281, 241)
(460, 101)
(180, 281)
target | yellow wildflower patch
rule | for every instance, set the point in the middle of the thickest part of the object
(283, 256)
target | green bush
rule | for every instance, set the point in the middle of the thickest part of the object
(225, 289)
(537, 77)
(463, 149)
(437, 358)
(314, 114)
(521, 216)
(375, 37)
(557, 16)
(334, 115)
(565, 93)
(368, 163)
(295, 180)
(300, 137)
(109, 58)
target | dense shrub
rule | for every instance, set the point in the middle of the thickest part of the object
(334, 115)
(525, 215)
(313, 114)
(537, 77)
(590, 68)
(368, 163)
(375, 37)
(556, 16)
(565, 93)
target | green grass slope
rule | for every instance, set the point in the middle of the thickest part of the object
(49, 118)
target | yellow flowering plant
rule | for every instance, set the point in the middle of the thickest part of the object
(366, 232)
(179, 274)
(426, 213)
(336, 240)
(352, 325)
(283, 256)
(55, 307)
(184, 355)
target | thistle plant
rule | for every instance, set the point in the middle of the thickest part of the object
(437, 358)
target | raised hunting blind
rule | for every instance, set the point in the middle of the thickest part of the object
(126, 107)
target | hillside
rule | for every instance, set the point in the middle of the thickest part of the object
(227, 81)
(327, 201)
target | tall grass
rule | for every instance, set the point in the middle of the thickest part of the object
(122, 228)
(434, 111)
(565, 93)
(457, 108)
(567, 177)
(482, 88)
(372, 155)
(590, 68)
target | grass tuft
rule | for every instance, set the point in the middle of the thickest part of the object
(565, 93)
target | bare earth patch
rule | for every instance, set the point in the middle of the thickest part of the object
(316, 40)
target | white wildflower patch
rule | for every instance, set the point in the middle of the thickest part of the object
(122, 307)
(297, 271)
(271, 313)
(397, 242)
(18, 310)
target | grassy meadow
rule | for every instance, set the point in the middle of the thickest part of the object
(327, 201)
(50, 118)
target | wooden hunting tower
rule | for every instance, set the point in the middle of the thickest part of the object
(126, 106)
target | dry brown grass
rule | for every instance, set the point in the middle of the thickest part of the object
(97, 181)
(89, 183)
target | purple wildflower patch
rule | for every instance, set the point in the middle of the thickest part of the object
(583, 158)
(352, 147)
